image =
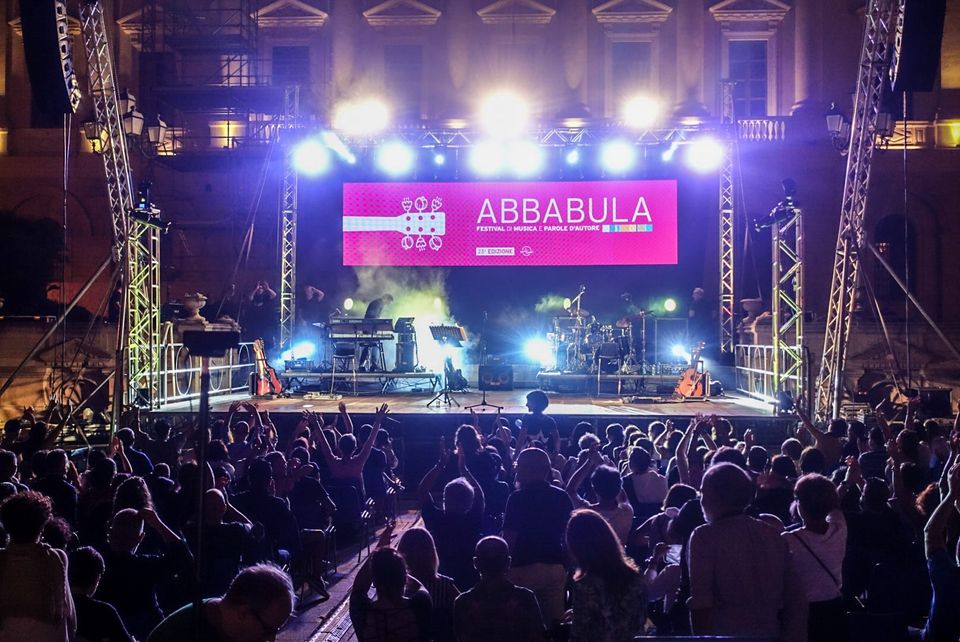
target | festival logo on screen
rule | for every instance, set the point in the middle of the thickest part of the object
(561, 223)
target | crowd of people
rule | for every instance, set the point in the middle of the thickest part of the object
(846, 532)
(843, 532)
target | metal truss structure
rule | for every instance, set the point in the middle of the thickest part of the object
(288, 224)
(136, 244)
(875, 54)
(727, 225)
(787, 306)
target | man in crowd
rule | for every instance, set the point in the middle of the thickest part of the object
(533, 527)
(254, 609)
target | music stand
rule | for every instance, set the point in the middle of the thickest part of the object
(452, 336)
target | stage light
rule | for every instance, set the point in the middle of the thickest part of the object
(311, 158)
(348, 304)
(439, 158)
(670, 305)
(640, 112)
(669, 153)
(338, 147)
(524, 158)
(504, 114)
(680, 352)
(300, 350)
(572, 157)
(395, 158)
(364, 117)
(567, 303)
(540, 351)
(437, 303)
(486, 158)
(704, 155)
(617, 156)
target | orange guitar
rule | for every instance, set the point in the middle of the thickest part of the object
(268, 383)
(690, 383)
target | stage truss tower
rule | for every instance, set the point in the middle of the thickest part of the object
(881, 17)
(787, 305)
(136, 245)
(727, 232)
(288, 222)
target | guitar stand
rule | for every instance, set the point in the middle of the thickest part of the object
(484, 404)
(444, 397)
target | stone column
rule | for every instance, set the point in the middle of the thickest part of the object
(690, 55)
(806, 55)
(344, 23)
(575, 23)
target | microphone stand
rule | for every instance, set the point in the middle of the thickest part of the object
(483, 361)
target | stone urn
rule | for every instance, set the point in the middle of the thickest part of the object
(753, 308)
(192, 304)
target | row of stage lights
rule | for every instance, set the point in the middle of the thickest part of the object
(504, 118)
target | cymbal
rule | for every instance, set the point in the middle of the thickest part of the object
(578, 313)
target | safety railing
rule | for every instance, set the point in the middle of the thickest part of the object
(754, 366)
(762, 129)
(180, 372)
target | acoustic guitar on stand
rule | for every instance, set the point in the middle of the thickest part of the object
(267, 382)
(691, 382)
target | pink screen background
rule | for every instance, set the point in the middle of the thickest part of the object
(653, 241)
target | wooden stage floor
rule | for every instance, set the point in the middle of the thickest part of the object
(561, 405)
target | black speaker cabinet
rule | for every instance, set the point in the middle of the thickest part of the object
(935, 402)
(496, 377)
(49, 56)
(920, 46)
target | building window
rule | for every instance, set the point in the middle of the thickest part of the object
(291, 66)
(747, 61)
(631, 70)
(403, 73)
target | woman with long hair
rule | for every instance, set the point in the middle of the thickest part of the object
(609, 593)
(418, 550)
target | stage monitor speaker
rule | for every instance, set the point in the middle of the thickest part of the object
(920, 45)
(495, 377)
(49, 56)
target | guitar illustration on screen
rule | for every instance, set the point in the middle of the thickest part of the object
(421, 227)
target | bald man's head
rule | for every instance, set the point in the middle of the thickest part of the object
(533, 465)
(492, 557)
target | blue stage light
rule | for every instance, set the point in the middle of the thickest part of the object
(525, 158)
(311, 158)
(486, 158)
(540, 351)
(618, 156)
(572, 157)
(396, 158)
(704, 155)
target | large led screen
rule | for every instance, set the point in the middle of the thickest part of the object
(505, 224)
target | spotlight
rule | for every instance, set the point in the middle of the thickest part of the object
(640, 112)
(486, 158)
(301, 350)
(617, 156)
(364, 117)
(524, 158)
(668, 154)
(311, 158)
(670, 305)
(540, 351)
(348, 304)
(680, 352)
(704, 155)
(395, 158)
(338, 147)
(572, 157)
(504, 114)
(567, 303)
(437, 303)
(439, 158)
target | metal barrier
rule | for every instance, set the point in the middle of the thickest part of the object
(180, 373)
(754, 366)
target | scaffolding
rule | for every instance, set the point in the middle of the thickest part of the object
(787, 308)
(871, 80)
(727, 224)
(288, 223)
(136, 245)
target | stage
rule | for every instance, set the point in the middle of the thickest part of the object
(417, 428)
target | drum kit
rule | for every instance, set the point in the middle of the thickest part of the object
(584, 345)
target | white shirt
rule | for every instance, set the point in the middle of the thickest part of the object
(830, 547)
(619, 518)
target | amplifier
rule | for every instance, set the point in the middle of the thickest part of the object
(495, 377)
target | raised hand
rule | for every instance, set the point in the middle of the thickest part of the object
(444, 454)
(854, 475)
(894, 452)
(748, 438)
